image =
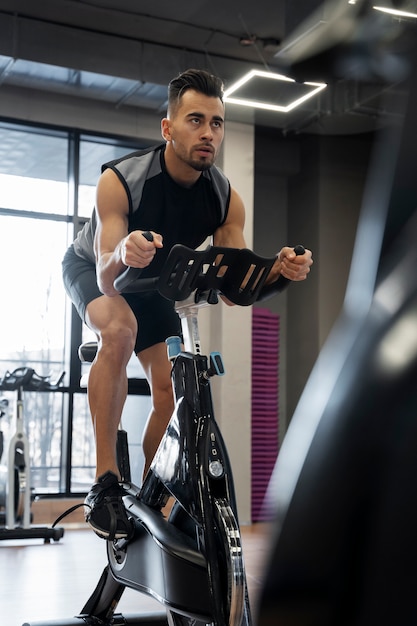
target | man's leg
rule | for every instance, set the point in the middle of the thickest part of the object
(157, 369)
(116, 327)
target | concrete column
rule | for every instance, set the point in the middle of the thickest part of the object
(230, 330)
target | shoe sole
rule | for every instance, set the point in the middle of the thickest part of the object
(103, 534)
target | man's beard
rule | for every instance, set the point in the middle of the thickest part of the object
(199, 165)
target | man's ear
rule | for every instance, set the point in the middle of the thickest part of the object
(166, 129)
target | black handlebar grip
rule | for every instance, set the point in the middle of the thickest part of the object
(284, 282)
(299, 250)
(281, 283)
(148, 235)
(130, 274)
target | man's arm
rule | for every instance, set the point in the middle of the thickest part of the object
(230, 235)
(114, 247)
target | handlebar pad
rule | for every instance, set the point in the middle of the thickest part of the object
(238, 274)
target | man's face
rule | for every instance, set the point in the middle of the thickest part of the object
(196, 129)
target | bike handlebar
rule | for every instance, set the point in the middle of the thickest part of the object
(239, 274)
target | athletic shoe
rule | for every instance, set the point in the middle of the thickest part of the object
(105, 512)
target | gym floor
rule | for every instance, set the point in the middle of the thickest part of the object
(46, 582)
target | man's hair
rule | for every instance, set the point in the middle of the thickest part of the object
(198, 80)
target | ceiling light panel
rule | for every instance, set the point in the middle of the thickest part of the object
(396, 12)
(271, 91)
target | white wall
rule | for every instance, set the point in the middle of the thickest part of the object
(229, 330)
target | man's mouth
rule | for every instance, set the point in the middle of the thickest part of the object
(205, 150)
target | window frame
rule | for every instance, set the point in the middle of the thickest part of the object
(74, 329)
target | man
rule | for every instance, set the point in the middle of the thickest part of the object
(177, 193)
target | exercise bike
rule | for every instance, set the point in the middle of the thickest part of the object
(15, 484)
(191, 561)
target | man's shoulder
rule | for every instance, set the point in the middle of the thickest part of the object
(143, 154)
(135, 169)
(221, 185)
(218, 179)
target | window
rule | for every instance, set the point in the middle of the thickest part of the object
(93, 153)
(47, 188)
(34, 233)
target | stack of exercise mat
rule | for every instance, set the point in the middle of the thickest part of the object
(265, 358)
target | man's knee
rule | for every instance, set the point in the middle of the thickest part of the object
(118, 333)
(117, 340)
(114, 323)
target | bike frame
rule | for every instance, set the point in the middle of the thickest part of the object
(192, 561)
(192, 466)
(199, 477)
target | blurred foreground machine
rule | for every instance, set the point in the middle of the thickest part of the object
(344, 490)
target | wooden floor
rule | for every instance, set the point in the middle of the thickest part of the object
(51, 582)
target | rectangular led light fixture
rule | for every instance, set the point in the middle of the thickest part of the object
(396, 12)
(270, 91)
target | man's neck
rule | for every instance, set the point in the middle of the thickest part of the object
(180, 172)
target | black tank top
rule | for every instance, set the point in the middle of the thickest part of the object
(186, 215)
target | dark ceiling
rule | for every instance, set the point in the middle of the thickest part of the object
(124, 52)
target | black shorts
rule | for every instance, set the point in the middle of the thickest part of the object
(156, 316)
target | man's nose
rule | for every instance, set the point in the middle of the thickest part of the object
(207, 132)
